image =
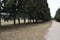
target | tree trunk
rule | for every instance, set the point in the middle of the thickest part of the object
(30, 20)
(33, 20)
(18, 20)
(24, 20)
(0, 12)
(0, 21)
(36, 20)
(14, 21)
(0, 18)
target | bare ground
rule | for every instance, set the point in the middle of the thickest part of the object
(53, 31)
(25, 32)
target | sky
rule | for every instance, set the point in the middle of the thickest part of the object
(53, 5)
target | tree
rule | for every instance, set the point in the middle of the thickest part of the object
(27, 9)
(6, 8)
(0, 12)
(24, 9)
(32, 14)
(46, 11)
(10, 7)
(14, 10)
(57, 16)
(19, 7)
(43, 11)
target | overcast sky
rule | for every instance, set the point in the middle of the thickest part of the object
(53, 5)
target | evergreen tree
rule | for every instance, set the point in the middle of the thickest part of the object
(6, 5)
(0, 12)
(11, 8)
(27, 9)
(43, 12)
(19, 7)
(57, 16)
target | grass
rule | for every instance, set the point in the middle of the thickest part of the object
(11, 22)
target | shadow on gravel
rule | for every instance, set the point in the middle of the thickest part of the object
(19, 26)
(28, 31)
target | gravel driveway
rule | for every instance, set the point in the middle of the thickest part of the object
(25, 32)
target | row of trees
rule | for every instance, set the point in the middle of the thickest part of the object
(26, 9)
(0, 12)
(57, 16)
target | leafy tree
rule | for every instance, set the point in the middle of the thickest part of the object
(14, 10)
(10, 7)
(43, 11)
(27, 9)
(0, 12)
(32, 10)
(19, 7)
(6, 8)
(57, 16)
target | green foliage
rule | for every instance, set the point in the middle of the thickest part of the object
(57, 16)
(31, 9)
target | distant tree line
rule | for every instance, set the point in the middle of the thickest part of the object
(57, 16)
(25, 9)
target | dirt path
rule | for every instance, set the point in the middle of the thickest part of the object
(53, 31)
(27, 32)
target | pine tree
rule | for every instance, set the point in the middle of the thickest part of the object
(57, 16)
(0, 12)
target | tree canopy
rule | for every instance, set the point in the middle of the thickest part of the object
(57, 16)
(26, 9)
